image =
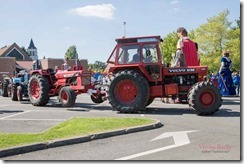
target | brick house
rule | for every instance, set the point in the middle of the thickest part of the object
(9, 56)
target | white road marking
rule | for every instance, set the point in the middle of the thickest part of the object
(15, 115)
(180, 139)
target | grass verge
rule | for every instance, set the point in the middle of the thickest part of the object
(72, 128)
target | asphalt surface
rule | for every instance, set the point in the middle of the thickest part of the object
(211, 137)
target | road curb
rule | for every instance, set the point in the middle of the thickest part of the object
(70, 141)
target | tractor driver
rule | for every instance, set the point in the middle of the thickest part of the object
(136, 57)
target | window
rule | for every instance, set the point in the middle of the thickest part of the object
(129, 54)
(149, 53)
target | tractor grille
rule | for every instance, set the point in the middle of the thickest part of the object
(86, 78)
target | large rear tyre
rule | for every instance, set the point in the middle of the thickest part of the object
(128, 92)
(38, 90)
(14, 92)
(204, 98)
(67, 97)
(5, 88)
(149, 101)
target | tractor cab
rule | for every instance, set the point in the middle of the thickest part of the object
(142, 54)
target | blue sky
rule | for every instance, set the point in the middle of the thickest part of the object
(93, 25)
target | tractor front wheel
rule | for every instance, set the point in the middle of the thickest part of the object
(204, 98)
(97, 98)
(67, 97)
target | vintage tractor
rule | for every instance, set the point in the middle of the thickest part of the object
(136, 83)
(44, 84)
(19, 88)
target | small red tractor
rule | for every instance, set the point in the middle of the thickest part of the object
(44, 84)
(137, 80)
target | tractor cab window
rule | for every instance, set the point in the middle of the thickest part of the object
(129, 54)
(112, 56)
(149, 52)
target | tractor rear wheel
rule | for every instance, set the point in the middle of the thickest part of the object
(38, 90)
(14, 92)
(5, 88)
(149, 101)
(19, 93)
(67, 97)
(128, 92)
(204, 98)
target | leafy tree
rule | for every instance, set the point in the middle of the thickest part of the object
(169, 47)
(24, 49)
(98, 66)
(233, 45)
(71, 52)
(211, 38)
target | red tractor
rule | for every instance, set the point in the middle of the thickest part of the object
(44, 84)
(139, 75)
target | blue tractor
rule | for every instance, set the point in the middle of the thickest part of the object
(20, 86)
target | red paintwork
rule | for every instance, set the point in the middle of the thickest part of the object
(207, 98)
(35, 89)
(64, 96)
(126, 91)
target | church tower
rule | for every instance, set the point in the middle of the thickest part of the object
(32, 51)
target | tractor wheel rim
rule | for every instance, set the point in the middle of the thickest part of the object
(207, 98)
(126, 91)
(64, 96)
(35, 90)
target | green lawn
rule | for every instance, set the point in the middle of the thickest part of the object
(71, 128)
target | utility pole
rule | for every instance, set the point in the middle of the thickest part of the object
(124, 23)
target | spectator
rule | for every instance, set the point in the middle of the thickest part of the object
(236, 81)
(225, 80)
(65, 65)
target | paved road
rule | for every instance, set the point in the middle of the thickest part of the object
(215, 137)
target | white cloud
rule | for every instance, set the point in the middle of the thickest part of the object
(104, 11)
(174, 2)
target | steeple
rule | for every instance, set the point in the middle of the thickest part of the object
(31, 46)
(32, 51)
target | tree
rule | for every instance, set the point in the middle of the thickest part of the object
(211, 38)
(233, 45)
(71, 52)
(98, 66)
(24, 49)
(169, 46)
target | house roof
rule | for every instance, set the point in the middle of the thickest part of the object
(3, 49)
(7, 49)
(31, 46)
(26, 65)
